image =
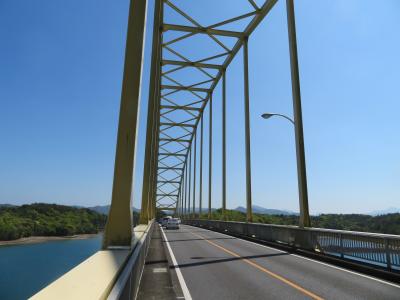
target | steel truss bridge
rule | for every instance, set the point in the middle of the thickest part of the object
(190, 59)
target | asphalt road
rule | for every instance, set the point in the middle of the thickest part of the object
(218, 266)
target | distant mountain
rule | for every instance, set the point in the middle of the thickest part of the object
(203, 209)
(390, 210)
(103, 209)
(7, 205)
(266, 211)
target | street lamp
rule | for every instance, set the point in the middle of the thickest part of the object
(301, 171)
(269, 115)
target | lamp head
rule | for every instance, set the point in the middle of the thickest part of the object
(266, 115)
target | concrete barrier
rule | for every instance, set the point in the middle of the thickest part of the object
(127, 285)
(108, 274)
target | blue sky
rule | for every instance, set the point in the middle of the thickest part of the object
(61, 66)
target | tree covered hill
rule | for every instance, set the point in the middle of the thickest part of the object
(389, 223)
(41, 219)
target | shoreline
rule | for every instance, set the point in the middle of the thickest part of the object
(41, 239)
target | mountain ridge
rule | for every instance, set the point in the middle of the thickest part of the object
(267, 211)
(103, 209)
(390, 210)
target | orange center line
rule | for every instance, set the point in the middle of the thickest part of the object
(265, 270)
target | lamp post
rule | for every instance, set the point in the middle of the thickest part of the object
(302, 181)
(269, 115)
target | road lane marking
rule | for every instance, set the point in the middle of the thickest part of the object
(182, 282)
(315, 261)
(160, 270)
(257, 266)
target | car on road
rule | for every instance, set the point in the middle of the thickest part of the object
(172, 223)
(164, 221)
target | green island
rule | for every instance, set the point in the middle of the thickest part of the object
(41, 219)
(388, 224)
(52, 220)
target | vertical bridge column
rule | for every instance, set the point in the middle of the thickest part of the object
(190, 180)
(224, 145)
(118, 231)
(249, 217)
(201, 168)
(298, 119)
(181, 198)
(194, 175)
(210, 160)
(185, 188)
(148, 208)
(155, 148)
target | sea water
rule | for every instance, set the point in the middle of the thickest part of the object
(26, 269)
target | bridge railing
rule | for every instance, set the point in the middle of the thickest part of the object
(378, 250)
(113, 273)
(127, 285)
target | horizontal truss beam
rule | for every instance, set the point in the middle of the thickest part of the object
(202, 30)
(169, 168)
(177, 125)
(172, 154)
(184, 88)
(190, 64)
(167, 181)
(174, 140)
(180, 107)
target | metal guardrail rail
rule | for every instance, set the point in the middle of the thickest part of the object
(373, 249)
(127, 284)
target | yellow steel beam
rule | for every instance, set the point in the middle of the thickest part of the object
(118, 231)
(146, 212)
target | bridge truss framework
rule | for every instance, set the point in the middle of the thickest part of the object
(176, 104)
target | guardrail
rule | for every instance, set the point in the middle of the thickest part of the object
(127, 284)
(113, 273)
(377, 250)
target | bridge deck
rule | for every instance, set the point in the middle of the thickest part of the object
(218, 266)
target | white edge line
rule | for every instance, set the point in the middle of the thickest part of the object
(309, 259)
(182, 282)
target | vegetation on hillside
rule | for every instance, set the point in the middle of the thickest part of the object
(41, 219)
(389, 224)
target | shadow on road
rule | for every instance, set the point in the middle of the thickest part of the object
(189, 240)
(226, 260)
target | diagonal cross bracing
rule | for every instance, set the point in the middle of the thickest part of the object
(187, 78)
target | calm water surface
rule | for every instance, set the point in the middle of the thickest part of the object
(26, 269)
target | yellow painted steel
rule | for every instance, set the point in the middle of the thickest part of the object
(118, 231)
(249, 208)
(298, 118)
(147, 212)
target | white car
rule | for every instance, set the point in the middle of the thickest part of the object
(172, 223)
(164, 221)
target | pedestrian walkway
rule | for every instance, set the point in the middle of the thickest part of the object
(157, 278)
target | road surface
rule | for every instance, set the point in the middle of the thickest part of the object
(212, 265)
